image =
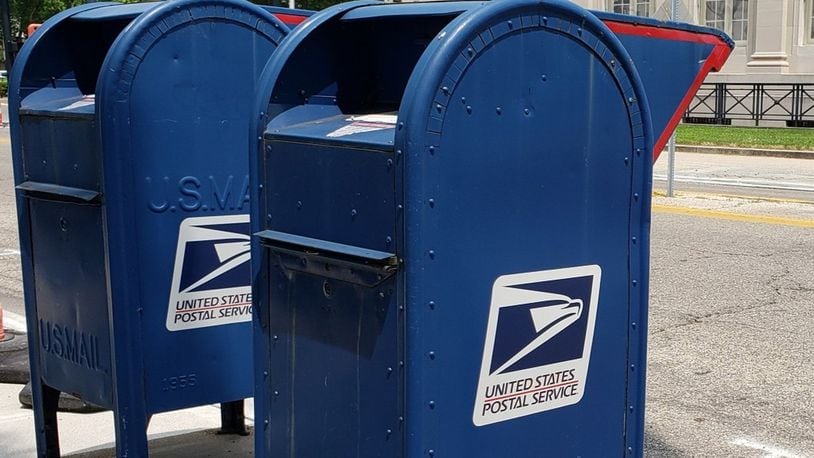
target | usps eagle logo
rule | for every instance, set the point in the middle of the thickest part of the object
(211, 282)
(538, 342)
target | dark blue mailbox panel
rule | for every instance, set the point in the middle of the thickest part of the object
(452, 214)
(129, 135)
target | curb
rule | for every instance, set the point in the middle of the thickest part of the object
(67, 402)
(736, 151)
(14, 358)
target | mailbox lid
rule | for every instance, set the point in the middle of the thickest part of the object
(340, 192)
(329, 127)
(53, 96)
(672, 59)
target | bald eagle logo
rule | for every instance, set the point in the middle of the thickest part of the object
(211, 281)
(538, 342)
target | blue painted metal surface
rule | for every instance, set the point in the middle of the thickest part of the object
(129, 140)
(497, 159)
(654, 72)
(654, 45)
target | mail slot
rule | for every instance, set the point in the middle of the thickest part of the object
(451, 219)
(130, 156)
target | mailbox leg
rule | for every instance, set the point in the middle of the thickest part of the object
(232, 419)
(45, 402)
(131, 432)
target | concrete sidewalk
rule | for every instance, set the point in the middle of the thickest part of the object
(775, 177)
(740, 151)
(184, 433)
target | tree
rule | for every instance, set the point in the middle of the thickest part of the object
(24, 12)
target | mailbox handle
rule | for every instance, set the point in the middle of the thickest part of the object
(58, 192)
(350, 263)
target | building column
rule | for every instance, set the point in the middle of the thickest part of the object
(770, 37)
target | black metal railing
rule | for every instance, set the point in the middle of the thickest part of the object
(721, 103)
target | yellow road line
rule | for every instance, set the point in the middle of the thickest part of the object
(783, 200)
(715, 214)
(702, 195)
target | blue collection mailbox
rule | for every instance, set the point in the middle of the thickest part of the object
(130, 156)
(452, 212)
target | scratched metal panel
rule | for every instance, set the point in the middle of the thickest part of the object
(339, 337)
(68, 256)
(334, 366)
(72, 314)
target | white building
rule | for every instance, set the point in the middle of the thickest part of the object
(773, 37)
(769, 77)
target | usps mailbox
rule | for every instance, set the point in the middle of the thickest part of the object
(130, 153)
(452, 215)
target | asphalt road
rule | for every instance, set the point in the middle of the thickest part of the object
(730, 344)
(731, 338)
(11, 288)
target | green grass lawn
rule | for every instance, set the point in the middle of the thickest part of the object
(748, 137)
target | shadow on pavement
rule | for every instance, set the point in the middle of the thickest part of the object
(656, 446)
(189, 443)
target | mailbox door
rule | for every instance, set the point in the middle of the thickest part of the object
(333, 316)
(61, 170)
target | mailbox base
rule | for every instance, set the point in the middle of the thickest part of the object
(67, 402)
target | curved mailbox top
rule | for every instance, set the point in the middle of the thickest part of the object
(67, 52)
(410, 9)
(290, 16)
(418, 52)
(672, 59)
(113, 11)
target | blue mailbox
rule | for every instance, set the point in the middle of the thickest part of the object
(452, 218)
(130, 156)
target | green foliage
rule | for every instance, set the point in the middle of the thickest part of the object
(3, 87)
(24, 12)
(746, 137)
